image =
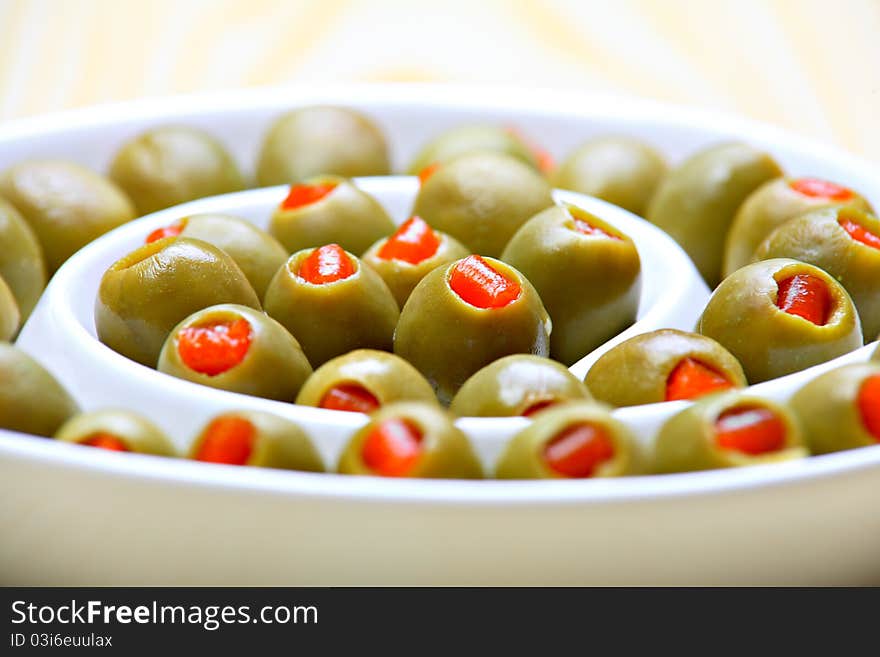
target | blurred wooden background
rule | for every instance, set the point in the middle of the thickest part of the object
(812, 66)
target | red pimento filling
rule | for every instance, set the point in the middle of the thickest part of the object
(216, 347)
(301, 195)
(543, 157)
(413, 242)
(578, 450)
(104, 440)
(161, 233)
(326, 264)
(583, 225)
(392, 448)
(691, 379)
(349, 397)
(869, 405)
(537, 407)
(752, 430)
(228, 440)
(475, 281)
(818, 188)
(805, 296)
(858, 232)
(427, 172)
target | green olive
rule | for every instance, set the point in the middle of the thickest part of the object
(517, 385)
(116, 430)
(621, 170)
(482, 199)
(31, 400)
(587, 273)
(173, 164)
(821, 239)
(771, 205)
(332, 318)
(410, 439)
(448, 338)
(697, 201)
(271, 365)
(769, 342)
(66, 205)
(21, 259)
(345, 215)
(9, 313)
(578, 440)
(322, 139)
(144, 295)
(257, 439)
(379, 377)
(466, 139)
(728, 430)
(653, 367)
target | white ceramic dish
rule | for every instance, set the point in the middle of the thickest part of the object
(78, 516)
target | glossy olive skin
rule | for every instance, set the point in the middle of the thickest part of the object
(136, 432)
(21, 259)
(512, 385)
(448, 339)
(10, 317)
(274, 367)
(589, 284)
(173, 164)
(768, 342)
(827, 408)
(621, 170)
(447, 453)
(31, 400)
(145, 294)
(387, 377)
(334, 318)
(482, 199)
(466, 139)
(400, 276)
(523, 458)
(278, 443)
(765, 209)
(65, 204)
(347, 216)
(697, 200)
(258, 254)
(817, 238)
(637, 370)
(322, 139)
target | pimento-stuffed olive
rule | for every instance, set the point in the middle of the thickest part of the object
(236, 348)
(697, 201)
(466, 139)
(363, 380)
(10, 316)
(31, 400)
(621, 170)
(21, 259)
(65, 204)
(116, 430)
(587, 273)
(332, 304)
(465, 315)
(410, 439)
(322, 139)
(258, 254)
(580, 440)
(517, 385)
(728, 430)
(845, 242)
(781, 316)
(258, 439)
(144, 295)
(482, 199)
(406, 257)
(664, 365)
(172, 164)
(841, 408)
(329, 210)
(773, 204)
